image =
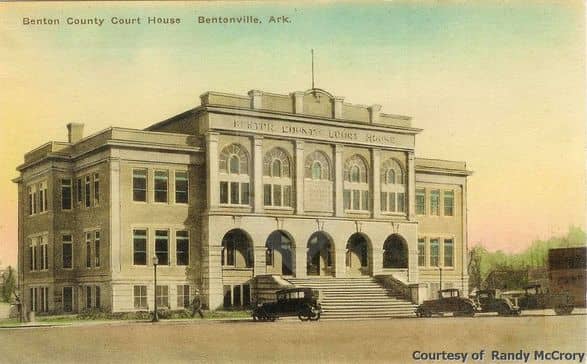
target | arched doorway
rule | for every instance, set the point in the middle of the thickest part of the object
(237, 249)
(395, 252)
(320, 257)
(237, 268)
(278, 253)
(357, 255)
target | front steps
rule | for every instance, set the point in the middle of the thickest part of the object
(356, 298)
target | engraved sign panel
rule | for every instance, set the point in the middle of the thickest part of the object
(318, 196)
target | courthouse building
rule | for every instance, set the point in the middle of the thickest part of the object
(300, 186)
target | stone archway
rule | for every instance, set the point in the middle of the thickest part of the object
(395, 252)
(320, 255)
(358, 251)
(237, 249)
(279, 253)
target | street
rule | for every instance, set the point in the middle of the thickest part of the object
(389, 341)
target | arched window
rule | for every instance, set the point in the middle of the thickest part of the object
(233, 165)
(393, 190)
(277, 183)
(356, 186)
(317, 166)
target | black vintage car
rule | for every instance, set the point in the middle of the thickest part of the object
(535, 297)
(449, 301)
(301, 302)
(491, 300)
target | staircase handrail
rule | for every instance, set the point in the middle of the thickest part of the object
(395, 286)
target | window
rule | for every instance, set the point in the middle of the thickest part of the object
(140, 247)
(234, 159)
(421, 252)
(67, 299)
(449, 199)
(277, 178)
(238, 192)
(87, 191)
(434, 202)
(88, 249)
(44, 255)
(434, 252)
(162, 246)
(42, 187)
(229, 251)
(317, 166)
(98, 299)
(223, 192)
(96, 249)
(420, 201)
(96, 188)
(269, 256)
(401, 202)
(33, 299)
(67, 251)
(161, 181)
(78, 190)
(235, 164)
(66, 193)
(356, 187)
(162, 296)
(31, 200)
(139, 185)
(33, 254)
(448, 252)
(44, 299)
(182, 247)
(181, 187)
(183, 296)
(140, 296)
(392, 187)
(88, 296)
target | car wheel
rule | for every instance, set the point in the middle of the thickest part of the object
(504, 310)
(272, 318)
(469, 311)
(316, 317)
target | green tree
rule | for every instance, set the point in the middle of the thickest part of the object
(8, 284)
(475, 256)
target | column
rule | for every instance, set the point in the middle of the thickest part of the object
(338, 181)
(258, 174)
(259, 264)
(212, 276)
(299, 185)
(411, 192)
(115, 230)
(376, 184)
(300, 261)
(340, 262)
(212, 169)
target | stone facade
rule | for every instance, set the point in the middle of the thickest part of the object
(240, 186)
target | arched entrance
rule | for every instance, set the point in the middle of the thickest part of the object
(237, 268)
(357, 255)
(320, 257)
(395, 252)
(237, 249)
(278, 253)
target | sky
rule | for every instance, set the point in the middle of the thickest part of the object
(498, 84)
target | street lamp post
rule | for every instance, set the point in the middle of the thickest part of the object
(440, 283)
(155, 314)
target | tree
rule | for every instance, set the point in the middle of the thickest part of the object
(475, 256)
(8, 285)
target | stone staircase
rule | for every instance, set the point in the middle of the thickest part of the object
(356, 298)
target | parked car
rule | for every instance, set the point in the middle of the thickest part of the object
(491, 300)
(535, 297)
(301, 302)
(449, 301)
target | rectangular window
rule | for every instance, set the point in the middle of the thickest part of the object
(78, 190)
(87, 192)
(420, 201)
(98, 299)
(392, 205)
(181, 187)
(42, 188)
(88, 250)
(182, 247)
(234, 193)
(346, 197)
(434, 202)
(244, 193)
(448, 252)
(276, 195)
(365, 200)
(356, 199)
(96, 188)
(267, 195)
(401, 202)
(97, 249)
(140, 296)
(66, 193)
(67, 251)
(449, 200)
(223, 192)
(161, 185)
(287, 196)
(33, 297)
(139, 247)
(162, 296)
(384, 201)
(44, 255)
(31, 203)
(88, 296)
(33, 251)
(43, 299)
(139, 185)
(183, 296)
(67, 299)
(421, 252)
(434, 252)
(162, 246)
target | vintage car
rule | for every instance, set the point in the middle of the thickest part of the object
(535, 297)
(301, 302)
(449, 300)
(491, 300)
